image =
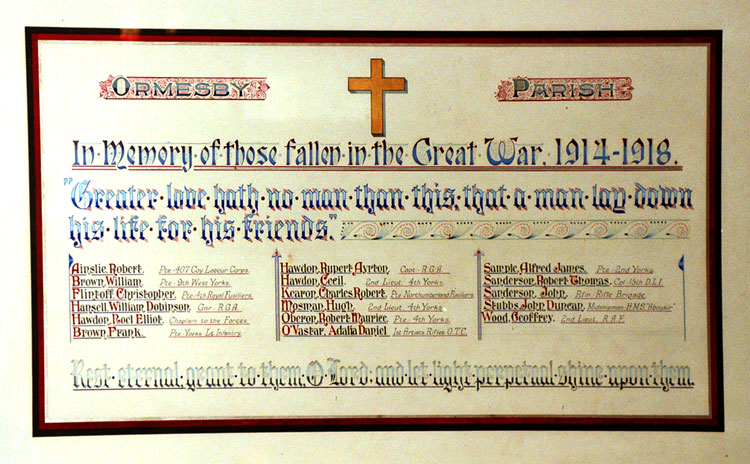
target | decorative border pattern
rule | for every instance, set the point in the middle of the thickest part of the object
(581, 229)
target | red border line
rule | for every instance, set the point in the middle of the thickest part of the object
(293, 37)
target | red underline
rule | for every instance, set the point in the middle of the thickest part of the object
(442, 168)
(396, 168)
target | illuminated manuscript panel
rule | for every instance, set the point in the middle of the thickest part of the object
(297, 230)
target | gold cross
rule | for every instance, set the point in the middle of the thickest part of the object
(376, 84)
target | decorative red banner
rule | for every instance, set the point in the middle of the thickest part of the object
(565, 89)
(183, 88)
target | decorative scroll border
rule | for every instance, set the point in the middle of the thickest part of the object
(581, 229)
